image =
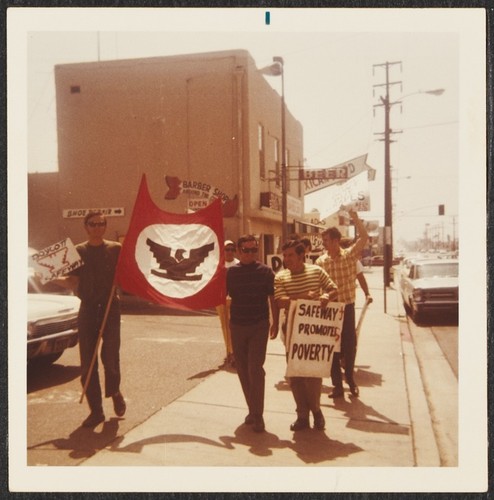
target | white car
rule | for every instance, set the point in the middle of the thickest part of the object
(51, 325)
(51, 319)
(430, 286)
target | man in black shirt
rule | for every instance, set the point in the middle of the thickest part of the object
(250, 285)
(93, 284)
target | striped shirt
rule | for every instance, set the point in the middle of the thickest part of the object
(249, 287)
(343, 271)
(311, 279)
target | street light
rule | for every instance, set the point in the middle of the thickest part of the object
(277, 69)
(388, 222)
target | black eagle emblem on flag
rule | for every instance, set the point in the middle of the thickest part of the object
(178, 268)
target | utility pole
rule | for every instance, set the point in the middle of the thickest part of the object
(388, 210)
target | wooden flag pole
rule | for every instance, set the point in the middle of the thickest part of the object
(98, 340)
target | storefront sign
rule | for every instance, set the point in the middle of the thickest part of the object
(79, 213)
(197, 190)
(275, 261)
(352, 167)
(334, 173)
(194, 204)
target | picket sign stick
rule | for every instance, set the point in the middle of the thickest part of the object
(98, 340)
(221, 310)
(361, 318)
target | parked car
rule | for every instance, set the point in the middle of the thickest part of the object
(378, 260)
(430, 286)
(51, 326)
(402, 269)
(51, 320)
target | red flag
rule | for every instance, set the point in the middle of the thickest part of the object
(173, 259)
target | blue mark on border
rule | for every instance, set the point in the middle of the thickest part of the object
(267, 18)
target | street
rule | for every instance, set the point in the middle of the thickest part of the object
(164, 354)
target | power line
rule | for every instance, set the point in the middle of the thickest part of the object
(431, 125)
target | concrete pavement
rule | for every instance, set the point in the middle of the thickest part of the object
(388, 425)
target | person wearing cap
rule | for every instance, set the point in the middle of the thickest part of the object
(230, 249)
(224, 310)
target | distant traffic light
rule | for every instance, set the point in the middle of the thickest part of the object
(441, 209)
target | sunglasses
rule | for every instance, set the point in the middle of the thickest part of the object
(229, 249)
(96, 224)
(249, 250)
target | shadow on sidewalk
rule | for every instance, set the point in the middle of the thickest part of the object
(84, 442)
(40, 377)
(363, 417)
(314, 447)
(260, 444)
(367, 378)
(310, 446)
(137, 446)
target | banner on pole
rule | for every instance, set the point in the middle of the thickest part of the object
(173, 259)
(313, 335)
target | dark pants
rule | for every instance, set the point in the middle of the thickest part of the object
(307, 395)
(348, 349)
(249, 348)
(90, 319)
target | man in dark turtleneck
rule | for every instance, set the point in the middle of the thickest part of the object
(250, 285)
(93, 284)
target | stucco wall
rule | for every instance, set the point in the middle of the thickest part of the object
(194, 117)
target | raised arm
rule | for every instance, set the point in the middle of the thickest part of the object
(361, 230)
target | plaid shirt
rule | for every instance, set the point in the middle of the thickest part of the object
(343, 271)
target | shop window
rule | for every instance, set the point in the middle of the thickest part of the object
(277, 166)
(262, 159)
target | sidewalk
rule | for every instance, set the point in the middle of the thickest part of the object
(205, 427)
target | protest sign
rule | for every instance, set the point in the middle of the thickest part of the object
(313, 334)
(56, 260)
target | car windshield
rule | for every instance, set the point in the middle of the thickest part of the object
(446, 270)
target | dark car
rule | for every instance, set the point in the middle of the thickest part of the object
(430, 286)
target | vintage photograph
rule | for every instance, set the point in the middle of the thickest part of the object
(255, 238)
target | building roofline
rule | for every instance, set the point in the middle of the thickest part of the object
(221, 54)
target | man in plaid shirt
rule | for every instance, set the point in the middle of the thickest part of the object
(341, 265)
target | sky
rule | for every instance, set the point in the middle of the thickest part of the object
(439, 158)
(330, 80)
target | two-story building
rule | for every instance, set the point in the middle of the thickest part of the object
(209, 123)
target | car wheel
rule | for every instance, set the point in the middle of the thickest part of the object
(417, 316)
(46, 360)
